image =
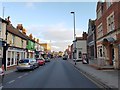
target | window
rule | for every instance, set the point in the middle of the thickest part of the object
(99, 13)
(8, 59)
(110, 22)
(21, 43)
(12, 62)
(80, 54)
(13, 39)
(99, 31)
(109, 3)
(100, 51)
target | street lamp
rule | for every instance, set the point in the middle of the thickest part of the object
(74, 34)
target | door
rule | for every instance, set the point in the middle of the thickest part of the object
(18, 57)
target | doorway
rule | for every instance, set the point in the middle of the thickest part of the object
(112, 54)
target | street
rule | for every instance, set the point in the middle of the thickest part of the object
(56, 74)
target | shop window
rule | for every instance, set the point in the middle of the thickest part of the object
(8, 59)
(15, 58)
(12, 61)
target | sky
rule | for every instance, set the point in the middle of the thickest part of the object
(51, 22)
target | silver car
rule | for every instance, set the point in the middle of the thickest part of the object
(28, 63)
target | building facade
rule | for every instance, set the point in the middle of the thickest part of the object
(80, 47)
(16, 46)
(91, 40)
(108, 33)
(3, 43)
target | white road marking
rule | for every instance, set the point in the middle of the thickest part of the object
(20, 76)
(1, 87)
(11, 81)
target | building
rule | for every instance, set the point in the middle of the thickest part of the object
(16, 45)
(37, 49)
(30, 47)
(80, 47)
(68, 51)
(46, 46)
(108, 33)
(3, 43)
(91, 40)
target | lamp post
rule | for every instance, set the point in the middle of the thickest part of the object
(74, 35)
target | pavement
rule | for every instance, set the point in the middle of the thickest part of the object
(106, 77)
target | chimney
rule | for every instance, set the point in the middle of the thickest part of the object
(38, 40)
(19, 26)
(84, 35)
(34, 39)
(30, 36)
(24, 31)
(8, 19)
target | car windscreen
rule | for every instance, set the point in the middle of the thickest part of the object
(24, 61)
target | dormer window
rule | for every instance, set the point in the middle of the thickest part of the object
(99, 13)
(109, 3)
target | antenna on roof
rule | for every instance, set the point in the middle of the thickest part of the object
(3, 11)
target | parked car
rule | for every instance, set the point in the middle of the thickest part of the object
(28, 63)
(47, 59)
(64, 57)
(41, 61)
(1, 76)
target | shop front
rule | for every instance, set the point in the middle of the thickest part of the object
(13, 55)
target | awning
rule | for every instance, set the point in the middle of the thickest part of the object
(110, 39)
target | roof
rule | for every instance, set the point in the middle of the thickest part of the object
(16, 32)
(3, 20)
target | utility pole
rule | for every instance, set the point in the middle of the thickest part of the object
(3, 11)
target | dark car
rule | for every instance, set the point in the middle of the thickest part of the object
(47, 59)
(64, 57)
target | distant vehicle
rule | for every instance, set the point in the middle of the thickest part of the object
(64, 57)
(47, 59)
(28, 63)
(40, 61)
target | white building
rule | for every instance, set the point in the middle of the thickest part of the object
(80, 47)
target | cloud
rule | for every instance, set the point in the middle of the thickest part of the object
(58, 35)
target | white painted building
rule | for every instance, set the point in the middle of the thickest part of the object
(80, 47)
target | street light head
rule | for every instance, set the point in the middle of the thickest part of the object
(72, 12)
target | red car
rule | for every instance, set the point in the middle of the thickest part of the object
(41, 61)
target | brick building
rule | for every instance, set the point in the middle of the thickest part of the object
(108, 33)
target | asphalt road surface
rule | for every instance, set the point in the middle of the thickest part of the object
(55, 74)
